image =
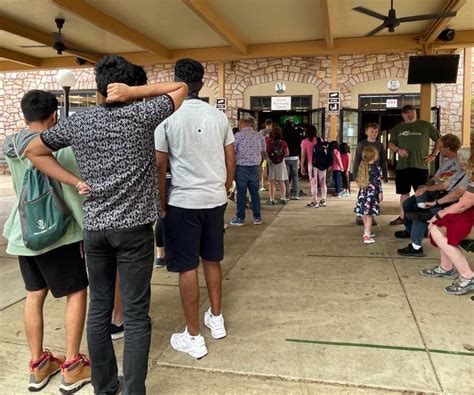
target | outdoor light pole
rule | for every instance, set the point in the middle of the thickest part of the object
(66, 79)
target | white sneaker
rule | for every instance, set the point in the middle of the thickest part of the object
(192, 345)
(215, 324)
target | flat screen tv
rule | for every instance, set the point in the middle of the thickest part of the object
(434, 69)
(297, 119)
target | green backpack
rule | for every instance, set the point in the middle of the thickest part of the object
(44, 217)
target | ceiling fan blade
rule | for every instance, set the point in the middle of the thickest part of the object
(376, 30)
(427, 16)
(369, 12)
(81, 50)
(34, 46)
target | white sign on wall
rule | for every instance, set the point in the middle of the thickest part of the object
(391, 103)
(334, 101)
(221, 104)
(281, 103)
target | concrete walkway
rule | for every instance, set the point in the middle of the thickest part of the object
(309, 309)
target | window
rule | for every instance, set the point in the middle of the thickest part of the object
(78, 100)
(378, 102)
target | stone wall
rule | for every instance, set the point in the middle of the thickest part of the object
(357, 69)
(242, 74)
(164, 73)
(316, 71)
(450, 97)
(14, 85)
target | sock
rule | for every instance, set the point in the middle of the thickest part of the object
(415, 246)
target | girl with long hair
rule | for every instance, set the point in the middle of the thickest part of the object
(314, 174)
(277, 150)
(370, 195)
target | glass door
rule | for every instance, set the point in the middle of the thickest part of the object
(349, 129)
(318, 119)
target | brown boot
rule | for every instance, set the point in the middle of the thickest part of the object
(75, 374)
(42, 369)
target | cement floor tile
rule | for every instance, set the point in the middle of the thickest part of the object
(235, 246)
(165, 313)
(8, 265)
(170, 381)
(12, 329)
(329, 231)
(316, 311)
(291, 249)
(455, 373)
(13, 288)
(317, 268)
(443, 319)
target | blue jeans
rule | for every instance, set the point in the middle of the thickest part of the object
(248, 177)
(292, 170)
(131, 252)
(417, 228)
(336, 174)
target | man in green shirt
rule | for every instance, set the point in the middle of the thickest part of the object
(410, 139)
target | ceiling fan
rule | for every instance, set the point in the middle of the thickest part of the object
(58, 38)
(391, 21)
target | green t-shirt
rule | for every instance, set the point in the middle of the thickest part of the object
(415, 138)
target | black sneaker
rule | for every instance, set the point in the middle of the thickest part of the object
(397, 221)
(409, 251)
(160, 262)
(402, 234)
(116, 331)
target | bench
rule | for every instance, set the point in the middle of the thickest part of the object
(467, 245)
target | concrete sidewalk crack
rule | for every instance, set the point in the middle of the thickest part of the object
(428, 353)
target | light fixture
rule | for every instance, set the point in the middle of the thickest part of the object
(67, 79)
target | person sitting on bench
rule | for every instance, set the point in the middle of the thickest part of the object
(448, 228)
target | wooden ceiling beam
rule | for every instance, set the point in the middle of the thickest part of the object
(202, 9)
(112, 25)
(19, 57)
(327, 25)
(40, 37)
(438, 25)
(342, 46)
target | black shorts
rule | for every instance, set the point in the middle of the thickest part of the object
(62, 270)
(192, 233)
(411, 177)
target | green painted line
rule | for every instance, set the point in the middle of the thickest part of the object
(365, 345)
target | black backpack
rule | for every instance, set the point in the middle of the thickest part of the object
(276, 153)
(322, 155)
